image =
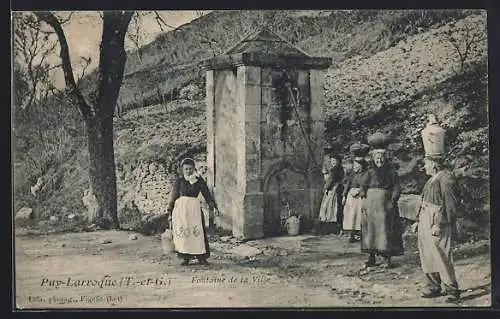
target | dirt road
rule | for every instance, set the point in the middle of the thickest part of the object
(84, 270)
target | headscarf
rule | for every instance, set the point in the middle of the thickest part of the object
(191, 178)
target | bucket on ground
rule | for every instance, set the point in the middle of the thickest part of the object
(292, 225)
(167, 242)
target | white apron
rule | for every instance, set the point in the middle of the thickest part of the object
(352, 211)
(187, 226)
(435, 251)
(328, 211)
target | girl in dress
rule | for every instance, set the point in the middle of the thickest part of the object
(188, 224)
(351, 200)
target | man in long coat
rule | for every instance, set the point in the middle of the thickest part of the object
(436, 222)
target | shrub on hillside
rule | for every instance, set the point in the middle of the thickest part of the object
(44, 138)
(192, 91)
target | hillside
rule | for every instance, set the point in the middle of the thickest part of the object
(173, 59)
(394, 90)
(390, 69)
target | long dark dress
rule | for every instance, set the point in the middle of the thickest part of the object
(380, 225)
(181, 188)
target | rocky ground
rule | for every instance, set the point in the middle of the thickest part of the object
(65, 271)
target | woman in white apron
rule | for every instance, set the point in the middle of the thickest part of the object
(351, 200)
(331, 206)
(188, 224)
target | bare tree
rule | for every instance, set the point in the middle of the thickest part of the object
(32, 47)
(466, 40)
(98, 113)
(136, 35)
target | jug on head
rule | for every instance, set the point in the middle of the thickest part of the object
(433, 138)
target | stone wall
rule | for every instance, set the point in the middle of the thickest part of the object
(248, 140)
(284, 187)
(226, 146)
(146, 185)
(249, 216)
(144, 191)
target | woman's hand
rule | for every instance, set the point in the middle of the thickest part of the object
(414, 227)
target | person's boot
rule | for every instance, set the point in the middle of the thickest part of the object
(357, 236)
(454, 297)
(371, 261)
(387, 263)
(352, 239)
(431, 294)
(202, 261)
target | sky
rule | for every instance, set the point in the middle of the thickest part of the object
(84, 30)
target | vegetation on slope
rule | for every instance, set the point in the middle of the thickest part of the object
(381, 80)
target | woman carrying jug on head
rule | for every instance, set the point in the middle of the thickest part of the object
(380, 230)
(188, 224)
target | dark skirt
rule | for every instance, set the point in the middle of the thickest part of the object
(207, 247)
(380, 225)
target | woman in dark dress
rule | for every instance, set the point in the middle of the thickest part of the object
(380, 232)
(188, 224)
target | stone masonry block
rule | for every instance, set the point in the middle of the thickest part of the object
(252, 94)
(209, 78)
(254, 207)
(252, 138)
(266, 77)
(317, 79)
(317, 93)
(252, 170)
(252, 74)
(238, 226)
(266, 95)
(317, 112)
(253, 113)
(253, 184)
